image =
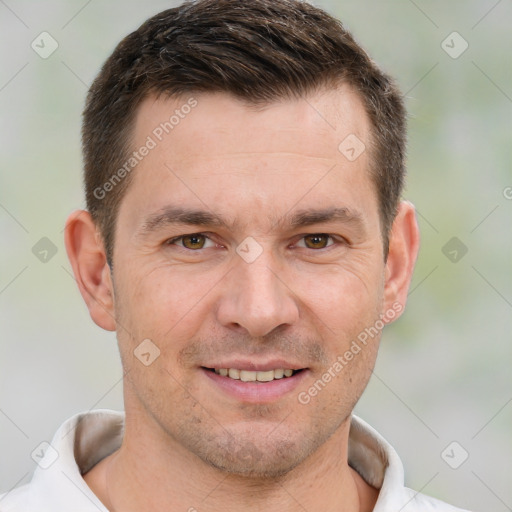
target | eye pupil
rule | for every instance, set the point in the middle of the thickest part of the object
(316, 241)
(193, 241)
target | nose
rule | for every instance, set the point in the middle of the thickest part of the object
(255, 298)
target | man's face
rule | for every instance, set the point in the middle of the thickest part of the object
(258, 293)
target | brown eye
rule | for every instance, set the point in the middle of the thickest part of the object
(316, 241)
(193, 242)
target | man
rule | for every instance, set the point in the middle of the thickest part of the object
(245, 238)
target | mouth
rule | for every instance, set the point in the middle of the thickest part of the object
(255, 376)
(252, 384)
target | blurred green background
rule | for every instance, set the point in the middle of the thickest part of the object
(443, 372)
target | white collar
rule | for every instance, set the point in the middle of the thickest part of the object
(86, 438)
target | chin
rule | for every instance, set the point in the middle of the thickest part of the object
(253, 465)
(243, 458)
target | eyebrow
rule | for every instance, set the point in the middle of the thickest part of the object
(172, 215)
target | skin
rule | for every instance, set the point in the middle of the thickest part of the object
(187, 442)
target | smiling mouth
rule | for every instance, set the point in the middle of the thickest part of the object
(254, 376)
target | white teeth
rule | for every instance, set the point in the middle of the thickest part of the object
(265, 376)
(234, 373)
(252, 376)
(247, 376)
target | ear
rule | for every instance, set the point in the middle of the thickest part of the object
(87, 256)
(404, 243)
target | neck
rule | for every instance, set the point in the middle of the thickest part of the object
(153, 472)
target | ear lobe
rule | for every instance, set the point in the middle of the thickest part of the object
(92, 273)
(404, 244)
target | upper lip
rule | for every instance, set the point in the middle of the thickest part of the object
(243, 364)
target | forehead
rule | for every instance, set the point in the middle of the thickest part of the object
(215, 151)
(212, 122)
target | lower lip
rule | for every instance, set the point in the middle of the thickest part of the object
(256, 392)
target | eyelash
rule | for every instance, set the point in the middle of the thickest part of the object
(335, 240)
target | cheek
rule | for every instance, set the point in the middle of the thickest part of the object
(346, 307)
(157, 306)
(165, 305)
(162, 304)
(343, 298)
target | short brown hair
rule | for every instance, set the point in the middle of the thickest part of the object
(258, 51)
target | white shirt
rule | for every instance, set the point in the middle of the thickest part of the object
(86, 438)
